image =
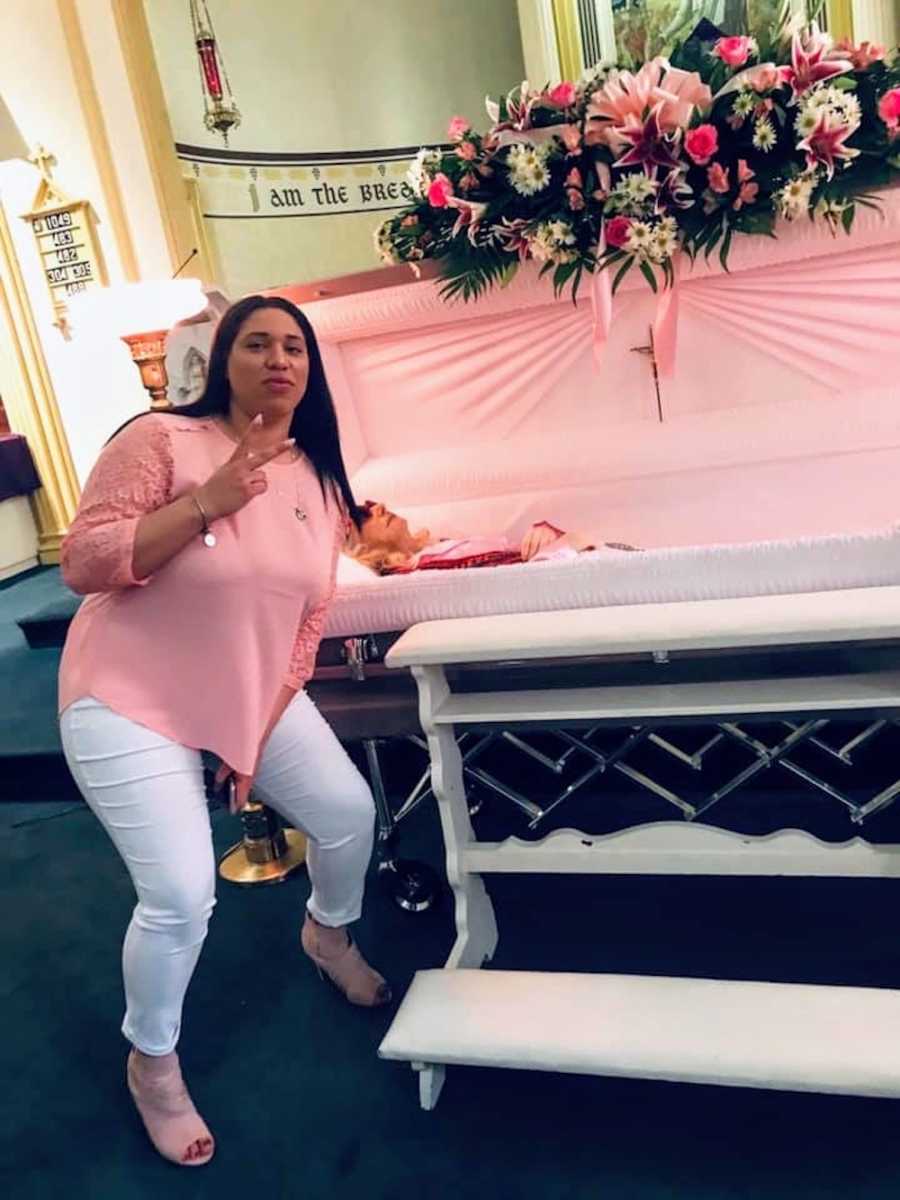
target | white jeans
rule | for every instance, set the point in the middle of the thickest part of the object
(148, 793)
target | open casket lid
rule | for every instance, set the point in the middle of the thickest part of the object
(781, 417)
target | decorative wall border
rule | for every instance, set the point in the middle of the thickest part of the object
(246, 185)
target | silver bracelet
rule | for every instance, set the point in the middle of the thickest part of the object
(209, 538)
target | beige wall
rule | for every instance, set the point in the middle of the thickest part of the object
(314, 76)
(877, 21)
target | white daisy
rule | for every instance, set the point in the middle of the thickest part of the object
(744, 103)
(639, 236)
(527, 166)
(794, 198)
(639, 186)
(764, 135)
(384, 245)
(664, 244)
(836, 100)
(422, 169)
(553, 241)
(806, 121)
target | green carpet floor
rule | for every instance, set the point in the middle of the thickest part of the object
(27, 677)
(287, 1073)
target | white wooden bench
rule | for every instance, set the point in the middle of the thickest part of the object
(787, 1036)
(644, 1026)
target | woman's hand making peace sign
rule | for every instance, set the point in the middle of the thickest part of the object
(241, 478)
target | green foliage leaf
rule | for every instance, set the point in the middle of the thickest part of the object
(561, 276)
(649, 274)
(621, 273)
(726, 246)
(714, 239)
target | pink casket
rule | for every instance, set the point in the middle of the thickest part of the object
(767, 462)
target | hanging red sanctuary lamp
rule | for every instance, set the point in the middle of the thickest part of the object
(222, 114)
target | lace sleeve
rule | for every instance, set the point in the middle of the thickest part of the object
(132, 476)
(309, 632)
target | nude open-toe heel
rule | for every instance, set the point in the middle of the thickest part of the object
(172, 1122)
(346, 969)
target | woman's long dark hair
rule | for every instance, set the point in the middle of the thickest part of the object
(314, 423)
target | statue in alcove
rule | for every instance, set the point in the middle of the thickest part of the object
(192, 377)
(187, 350)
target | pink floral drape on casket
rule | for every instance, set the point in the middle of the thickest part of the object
(782, 417)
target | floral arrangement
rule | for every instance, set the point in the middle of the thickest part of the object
(625, 169)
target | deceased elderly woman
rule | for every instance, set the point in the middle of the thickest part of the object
(384, 542)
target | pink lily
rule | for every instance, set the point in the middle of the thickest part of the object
(826, 143)
(519, 103)
(650, 146)
(625, 96)
(679, 191)
(810, 62)
(469, 215)
(511, 234)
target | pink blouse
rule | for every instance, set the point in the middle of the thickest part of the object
(199, 650)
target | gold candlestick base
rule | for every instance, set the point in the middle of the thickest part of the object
(267, 853)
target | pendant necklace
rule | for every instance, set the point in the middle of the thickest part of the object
(299, 511)
(209, 538)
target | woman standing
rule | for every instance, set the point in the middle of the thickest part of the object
(206, 541)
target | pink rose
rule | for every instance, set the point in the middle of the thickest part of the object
(744, 171)
(765, 78)
(889, 109)
(573, 179)
(563, 95)
(440, 191)
(468, 181)
(717, 177)
(466, 151)
(457, 128)
(617, 230)
(702, 143)
(734, 51)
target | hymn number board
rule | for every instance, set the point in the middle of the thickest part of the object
(67, 244)
(68, 263)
